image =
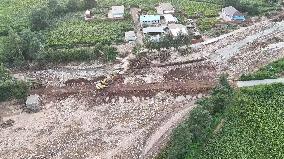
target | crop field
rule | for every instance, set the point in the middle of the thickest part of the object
(189, 7)
(76, 31)
(208, 9)
(252, 127)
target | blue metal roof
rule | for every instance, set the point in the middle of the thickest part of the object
(242, 18)
(150, 18)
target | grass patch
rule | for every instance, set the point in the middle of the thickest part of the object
(270, 71)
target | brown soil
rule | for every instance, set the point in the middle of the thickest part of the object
(204, 72)
(180, 88)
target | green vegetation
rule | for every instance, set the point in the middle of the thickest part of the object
(252, 128)
(190, 136)
(205, 24)
(242, 123)
(10, 88)
(258, 7)
(191, 8)
(79, 54)
(219, 30)
(15, 13)
(191, 132)
(58, 24)
(270, 71)
(19, 48)
(64, 26)
(75, 32)
(167, 42)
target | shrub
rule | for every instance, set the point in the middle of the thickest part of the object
(31, 44)
(167, 42)
(20, 47)
(88, 4)
(221, 97)
(55, 8)
(110, 53)
(206, 24)
(106, 53)
(10, 88)
(235, 3)
(12, 50)
(73, 5)
(39, 19)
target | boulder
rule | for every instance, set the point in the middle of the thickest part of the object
(33, 103)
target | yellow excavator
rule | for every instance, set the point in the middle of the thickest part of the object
(105, 82)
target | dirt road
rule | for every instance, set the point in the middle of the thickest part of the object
(135, 17)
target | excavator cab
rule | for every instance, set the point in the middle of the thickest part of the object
(105, 82)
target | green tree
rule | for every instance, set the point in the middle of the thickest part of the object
(166, 41)
(221, 96)
(12, 51)
(183, 39)
(20, 47)
(88, 4)
(151, 44)
(40, 19)
(73, 5)
(54, 7)
(30, 45)
(234, 3)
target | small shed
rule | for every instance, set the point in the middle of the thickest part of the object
(169, 18)
(165, 8)
(154, 33)
(150, 19)
(33, 103)
(88, 15)
(116, 12)
(153, 30)
(130, 36)
(231, 14)
(176, 29)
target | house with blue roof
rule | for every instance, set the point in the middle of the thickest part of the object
(232, 14)
(150, 20)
